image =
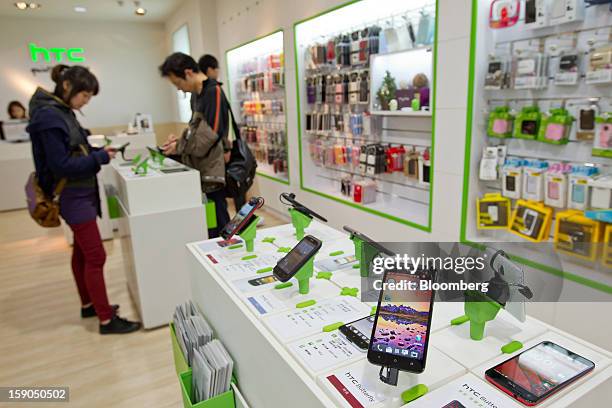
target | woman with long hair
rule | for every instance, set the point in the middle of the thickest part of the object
(62, 155)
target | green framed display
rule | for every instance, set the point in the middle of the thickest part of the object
(476, 138)
(267, 118)
(408, 202)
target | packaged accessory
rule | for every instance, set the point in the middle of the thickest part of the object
(530, 71)
(601, 192)
(602, 142)
(500, 122)
(567, 71)
(584, 111)
(606, 258)
(531, 220)
(577, 235)
(600, 66)
(355, 48)
(363, 158)
(555, 127)
(535, 13)
(533, 179)
(354, 88)
(364, 87)
(493, 211)
(578, 192)
(504, 13)
(411, 164)
(527, 123)
(488, 164)
(343, 51)
(565, 11)
(364, 191)
(424, 167)
(346, 186)
(498, 73)
(423, 36)
(555, 187)
(512, 178)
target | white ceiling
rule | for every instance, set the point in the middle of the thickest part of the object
(109, 10)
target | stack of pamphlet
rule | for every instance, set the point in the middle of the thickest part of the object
(212, 371)
(191, 329)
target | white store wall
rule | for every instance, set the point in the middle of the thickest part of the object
(123, 55)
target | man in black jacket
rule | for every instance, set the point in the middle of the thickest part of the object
(204, 144)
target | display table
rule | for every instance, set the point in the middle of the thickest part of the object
(159, 213)
(284, 357)
(138, 142)
(16, 164)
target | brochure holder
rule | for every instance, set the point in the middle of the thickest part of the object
(479, 309)
(300, 222)
(248, 234)
(303, 276)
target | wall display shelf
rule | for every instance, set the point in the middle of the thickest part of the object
(256, 77)
(539, 136)
(365, 100)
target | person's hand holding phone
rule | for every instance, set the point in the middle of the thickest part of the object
(169, 146)
(111, 151)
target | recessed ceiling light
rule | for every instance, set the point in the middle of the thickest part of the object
(34, 5)
(140, 11)
(80, 9)
(21, 5)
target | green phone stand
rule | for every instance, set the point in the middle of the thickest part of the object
(303, 276)
(157, 157)
(300, 222)
(364, 254)
(479, 309)
(142, 168)
(248, 234)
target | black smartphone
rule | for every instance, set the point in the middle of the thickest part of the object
(291, 263)
(365, 238)
(359, 332)
(264, 280)
(123, 146)
(402, 323)
(290, 198)
(537, 373)
(241, 218)
(156, 150)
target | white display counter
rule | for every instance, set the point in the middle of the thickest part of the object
(16, 164)
(159, 213)
(138, 142)
(318, 368)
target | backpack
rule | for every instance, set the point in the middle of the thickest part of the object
(241, 168)
(42, 209)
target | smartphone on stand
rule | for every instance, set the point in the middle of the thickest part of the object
(537, 373)
(291, 263)
(241, 218)
(359, 332)
(289, 198)
(403, 320)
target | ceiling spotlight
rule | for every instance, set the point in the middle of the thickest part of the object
(34, 5)
(140, 11)
(80, 9)
(21, 5)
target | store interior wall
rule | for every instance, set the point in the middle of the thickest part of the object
(123, 55)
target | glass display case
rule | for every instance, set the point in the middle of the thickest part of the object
(539, 116)
(256, 79)
(365, 79)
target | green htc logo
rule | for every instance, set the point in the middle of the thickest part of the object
(70, 54)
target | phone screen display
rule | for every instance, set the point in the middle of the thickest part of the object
(232, 226)
(295, 259)
(543, 368)
(402, 324)
(359, 331)
(263, 280)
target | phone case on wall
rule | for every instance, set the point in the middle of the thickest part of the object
(531, 220)
(577, 235)
(493, 211)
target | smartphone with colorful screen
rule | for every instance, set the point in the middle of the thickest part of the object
(537, 373)
(241, 218)
(403, 320)
(358, 332)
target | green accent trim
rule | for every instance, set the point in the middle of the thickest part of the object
(336, 253)
(601, 152)
(224, 400)
(425, 228)
(415, 392)
(306, 303)
(346, 291)
(284, 249)
(466, 174)
(268, 240)
(277, 179)
(248, 235)
(211, 214)
(459, 320)
(264, 270)
(357, 266)
(112, 203)
(283, 285)
(332, 327)
(324, 275)
(300, 222)
(374, 310)
(236, 246)
(248, 257)
(180, 362)
(511, 347)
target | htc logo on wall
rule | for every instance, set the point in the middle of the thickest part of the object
(58, 54)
